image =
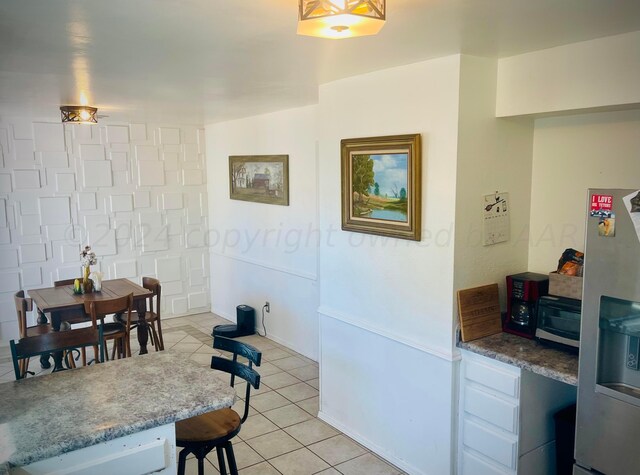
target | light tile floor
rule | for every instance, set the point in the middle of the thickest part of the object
(282, 434)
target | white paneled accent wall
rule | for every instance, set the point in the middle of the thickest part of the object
(135, 192)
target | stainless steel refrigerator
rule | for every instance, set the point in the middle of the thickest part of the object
(608, 418)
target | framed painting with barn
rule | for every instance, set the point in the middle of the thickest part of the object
(381, 186)
(259, 178)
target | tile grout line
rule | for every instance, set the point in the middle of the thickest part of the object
(284, 429)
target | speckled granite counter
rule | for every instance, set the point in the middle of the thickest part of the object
(50, 415)
(527, 354)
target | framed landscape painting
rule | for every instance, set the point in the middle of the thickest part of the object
(259, 178)
(381, 186)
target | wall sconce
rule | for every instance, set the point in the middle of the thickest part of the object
(79, 115)
(340, 18)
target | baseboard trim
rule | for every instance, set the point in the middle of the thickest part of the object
(189, 313)
(282, 342)
(266, 265)
(223, 314)
(449, 356)
(401, 464)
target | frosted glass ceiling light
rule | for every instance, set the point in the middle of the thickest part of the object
(79, 115)
(340, 18)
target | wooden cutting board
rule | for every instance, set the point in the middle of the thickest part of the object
(479, 312)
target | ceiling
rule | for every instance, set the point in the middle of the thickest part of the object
(204, 61)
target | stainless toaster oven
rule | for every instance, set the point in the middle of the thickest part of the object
(559, 320)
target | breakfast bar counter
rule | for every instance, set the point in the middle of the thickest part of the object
(43, 417)
(527, 354)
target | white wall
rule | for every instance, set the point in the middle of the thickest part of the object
(385, 304)
(386, 314)
(395, 399)
(135, 192)
(263, 252)
(574, 151)
(603, 72)
(493, 155)
(386, 307)
(571, 154)
(359, 268)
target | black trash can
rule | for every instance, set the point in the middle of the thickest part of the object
(565, 421)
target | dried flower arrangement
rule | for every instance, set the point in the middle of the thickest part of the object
(88, 257)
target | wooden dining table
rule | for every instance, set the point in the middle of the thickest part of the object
(62, 304)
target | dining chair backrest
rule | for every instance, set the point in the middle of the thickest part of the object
(99, 308)
(235, 368)
(65, 282)
(238, 348)
(154, 286)
(23, 305)
(46, 343)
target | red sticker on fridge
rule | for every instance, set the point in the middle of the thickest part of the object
(601, 202)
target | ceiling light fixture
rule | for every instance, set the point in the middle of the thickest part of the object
(340, 18)
(79, 115)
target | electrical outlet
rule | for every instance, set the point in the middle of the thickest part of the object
(267, 307)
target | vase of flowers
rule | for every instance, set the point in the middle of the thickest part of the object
(87, 259)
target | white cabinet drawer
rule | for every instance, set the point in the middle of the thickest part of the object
(499, 412)
(501, 448)
(472, 465)
(494, 378)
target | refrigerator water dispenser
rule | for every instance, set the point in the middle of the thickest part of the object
(618, 372)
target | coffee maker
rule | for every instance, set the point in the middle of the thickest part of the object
(523, 291)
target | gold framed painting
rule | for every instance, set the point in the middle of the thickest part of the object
(259, 178)
(381, 186)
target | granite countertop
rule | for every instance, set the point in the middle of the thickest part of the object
(50, 415)
(527, 354)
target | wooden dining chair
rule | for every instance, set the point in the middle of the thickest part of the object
(199, 435)
(65, 282)
(73, 317)
(60, 341)
(152, 315)
(116, 331)
(24, 305)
